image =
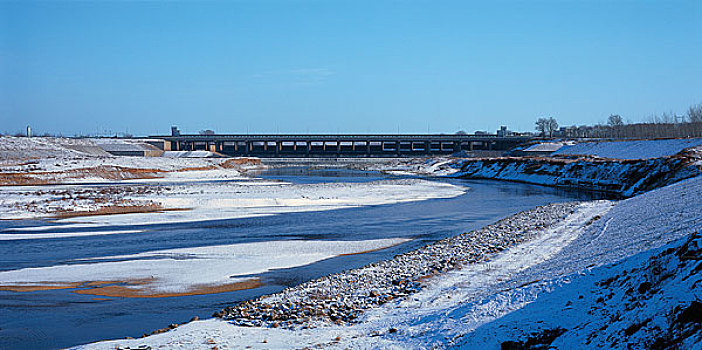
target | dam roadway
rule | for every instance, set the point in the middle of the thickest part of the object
(341, 145)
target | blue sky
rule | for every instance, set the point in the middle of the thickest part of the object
(342, 66)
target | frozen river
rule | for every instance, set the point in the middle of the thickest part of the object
(61, 318)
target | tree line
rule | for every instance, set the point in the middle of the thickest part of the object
(665, 125)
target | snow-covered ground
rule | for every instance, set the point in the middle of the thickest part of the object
(42, 157)
(46, 166)
(48, 147)
(640, 149)
(194, 200)
(598, 279)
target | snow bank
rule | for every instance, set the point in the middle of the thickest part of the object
(625, 178)
(545, 147)
(640, 149)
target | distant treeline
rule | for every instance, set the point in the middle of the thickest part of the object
(633, 131)
(658, 126)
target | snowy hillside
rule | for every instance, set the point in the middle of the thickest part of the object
(675, 160)
(640, 149)
(650, 301)
(49, 160)
(45, 147)
(624, 178)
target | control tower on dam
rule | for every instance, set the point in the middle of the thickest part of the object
(341, 145)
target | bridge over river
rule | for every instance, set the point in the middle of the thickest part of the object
(342, 145)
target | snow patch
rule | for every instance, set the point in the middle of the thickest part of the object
(640, 149)
(181, 270)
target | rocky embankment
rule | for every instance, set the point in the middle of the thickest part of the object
(625, 176)
(622, 177)
(341, 298)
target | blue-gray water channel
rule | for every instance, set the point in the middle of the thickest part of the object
(61, 318)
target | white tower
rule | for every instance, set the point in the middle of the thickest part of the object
(29, 131)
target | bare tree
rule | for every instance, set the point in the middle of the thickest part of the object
(694, 114)
(615, 124)
(541, 126)
(546, 126)
(667, 118)
(552, 126)
(665, 125)
(615, 120)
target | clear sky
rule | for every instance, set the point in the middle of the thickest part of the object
(342, 66)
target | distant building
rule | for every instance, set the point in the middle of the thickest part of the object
(29, 131)
(503, 132)
(175, 131)
(566, 131)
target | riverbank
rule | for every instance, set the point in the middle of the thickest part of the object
(566, 262)
(623, 169)
(343, 297)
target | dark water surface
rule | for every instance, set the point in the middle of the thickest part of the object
(56, 319)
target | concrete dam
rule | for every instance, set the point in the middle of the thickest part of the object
(346, 145)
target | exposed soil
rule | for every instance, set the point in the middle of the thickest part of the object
(125, 289)
(40, 287)
(113, 210)
(130, 288)
(106, 172)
